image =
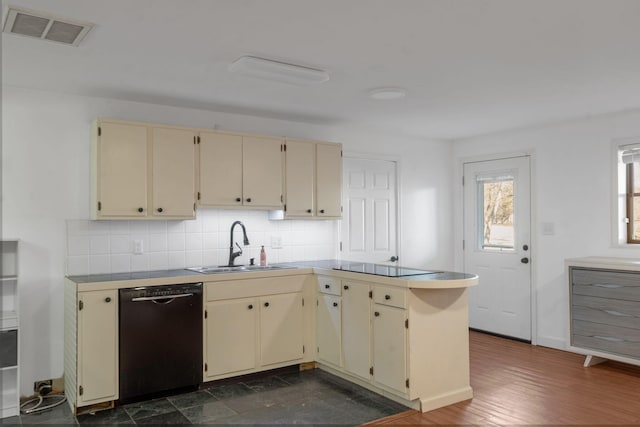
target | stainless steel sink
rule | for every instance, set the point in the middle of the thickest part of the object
(237, 268)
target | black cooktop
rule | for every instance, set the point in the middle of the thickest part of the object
(381, 270)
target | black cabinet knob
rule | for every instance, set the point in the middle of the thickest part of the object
(266, 304)
(107, 299)
(387, 297)
(525, 247)
(248, 199)
(525, 260)
(238, 199)
(376, 314)
(308, 210)
(327, 286)
(346, 287)
(250, 307)
(335, 304)
(160, 209)
(321, 210)
(140, 210)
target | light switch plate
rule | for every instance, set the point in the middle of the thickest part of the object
(138, 247)
(276, 242)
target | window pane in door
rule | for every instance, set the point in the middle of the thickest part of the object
(496, 213)
(635, 232)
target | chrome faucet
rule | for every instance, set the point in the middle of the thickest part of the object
(233, 255)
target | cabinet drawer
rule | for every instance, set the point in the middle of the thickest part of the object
(606, 284)
(394, 297)
(8, 348)
(606, 338)
(329, 285)
(607, 311)
(246, 288)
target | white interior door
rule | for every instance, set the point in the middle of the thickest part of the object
(369, 217)
(497, 205)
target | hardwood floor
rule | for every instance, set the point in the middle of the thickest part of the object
(517, 383)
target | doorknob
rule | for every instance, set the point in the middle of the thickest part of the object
(393, 258)
(525, 260)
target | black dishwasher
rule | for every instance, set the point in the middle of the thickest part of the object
(160, 339)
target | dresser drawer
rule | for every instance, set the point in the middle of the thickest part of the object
(329, 285)
(607, 311)
(606, 284)
(394, 297)
(606, 338)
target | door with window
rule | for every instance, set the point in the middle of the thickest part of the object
(497, 245)
(368, 226)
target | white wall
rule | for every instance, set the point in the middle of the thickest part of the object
(572, 188)
(46, 184)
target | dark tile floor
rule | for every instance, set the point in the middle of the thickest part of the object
(307, 397)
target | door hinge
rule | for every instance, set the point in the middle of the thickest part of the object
(371, 370)
(194, 140)
(318, 349)
(407, 382)
(80, 305)
(303, 349)
(340, 246)
(406, 323)
(462, 179)
(99, 131)
(99, 206)
(281, 198)
(340, 153)
(81, 390)
(463, 245)
(205, 314)
(198, 139)
(303, 302)
(206, 367)
(194, 207)
(285, 207)
(281, 150)
(198, 195)
(317, 302)
(285, 148)
(370, 294)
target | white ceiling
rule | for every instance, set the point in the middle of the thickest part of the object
(470, 67)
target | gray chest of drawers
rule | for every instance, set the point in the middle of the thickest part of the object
(605, 313)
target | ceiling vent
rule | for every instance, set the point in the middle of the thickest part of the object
(46, 27)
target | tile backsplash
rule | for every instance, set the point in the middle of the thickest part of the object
(100, 247)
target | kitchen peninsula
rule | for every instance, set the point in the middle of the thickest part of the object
(400, 332)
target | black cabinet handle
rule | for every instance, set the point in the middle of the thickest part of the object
(248, 199)
(238, 199)
(160, 209)
(327, 286)
(107, 299)
(376, 314)
(308, 210)
(321, 210)
(387, 297)
(346, 287)
(250, 307)
(335, 304)
(266, 304)
(140, 210)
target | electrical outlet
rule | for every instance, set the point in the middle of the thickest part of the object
(138, 247)
(39, 385)
(276, 242)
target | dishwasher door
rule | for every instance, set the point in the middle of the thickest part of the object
(160, 339)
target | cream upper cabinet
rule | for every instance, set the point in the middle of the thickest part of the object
(142, 172)
(231, 328)
(299, 178)
(238, 170)
(119, 170)
(173, 172)
(356, 328)
(389, 347)
(97, 376)
(281, 328)
(313, 179)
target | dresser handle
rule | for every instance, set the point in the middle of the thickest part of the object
(617, 313)
(607, 285)
(612, 339)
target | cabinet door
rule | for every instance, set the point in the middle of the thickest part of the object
(173, 172)
(356, 329)
(262, 172)
(329, 329)
(328, 180)
(220, 170)
(389, 347)
(230, 334)
(299, 173)
(122, 170)
(97, 347)
(281, 328)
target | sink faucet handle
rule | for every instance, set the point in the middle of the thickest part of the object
(240, 248)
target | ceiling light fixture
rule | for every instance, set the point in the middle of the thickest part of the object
(278, 71)
(387, 93)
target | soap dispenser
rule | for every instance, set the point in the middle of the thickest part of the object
(263, 257)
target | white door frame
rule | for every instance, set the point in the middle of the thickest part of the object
(458, 210)
(397, 161)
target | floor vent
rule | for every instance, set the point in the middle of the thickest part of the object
(46, 27)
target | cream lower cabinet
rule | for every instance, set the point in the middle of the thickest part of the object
(253, 324)
(389, 348)
(97, 341)
(356, 328)
(329, 328)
